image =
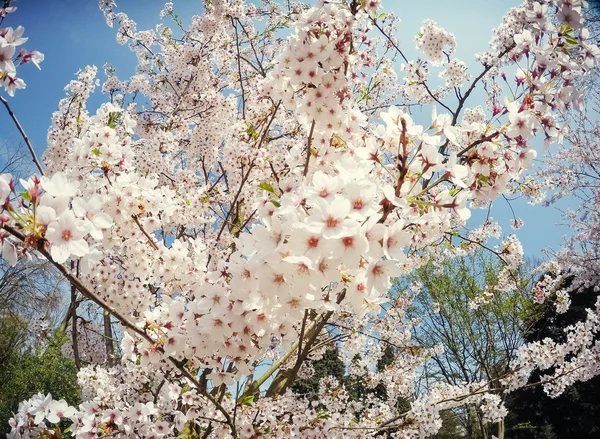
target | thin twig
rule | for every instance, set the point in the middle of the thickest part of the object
(487, 138)
(237, 46)
(424, 84)
(374, 21)
(20, 128)
(150, 240)
(308, 147)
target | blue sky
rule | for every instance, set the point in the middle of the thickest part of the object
(73, 34)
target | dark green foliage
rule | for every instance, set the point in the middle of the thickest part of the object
(13, 335)
(329, 365)
(31, 290)
(386, 359)
(576, 413)
(23, 374)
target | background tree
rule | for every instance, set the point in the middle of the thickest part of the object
(32, 309)
(31, 337)
(36, 369)
(472, 324)
(327, 364)
(574, 414)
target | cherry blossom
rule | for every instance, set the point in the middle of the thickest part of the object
(66, 235)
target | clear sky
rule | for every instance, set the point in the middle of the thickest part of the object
(73, 34)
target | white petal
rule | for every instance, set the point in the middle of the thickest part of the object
(102, 221)
(79, 207)
(78, 247)
(59, 253)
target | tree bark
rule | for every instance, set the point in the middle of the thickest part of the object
(501, 429)
(108, 339)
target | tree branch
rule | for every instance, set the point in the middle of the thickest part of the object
(25, 138)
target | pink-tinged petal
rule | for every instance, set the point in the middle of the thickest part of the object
(53, 418)
(9, 252)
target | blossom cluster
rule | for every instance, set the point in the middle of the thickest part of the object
(33, 416)
(10, 40)
(433, 40)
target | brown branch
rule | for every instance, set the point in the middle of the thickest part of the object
(302, 334)
(262, 70)
(242, 183)
(403, 166)
(237, 46)
(478, 142)
(285, 378)
(487, 68)
(308, 147)
(424, 84)
(394, 45)
(73, 310)
(464, 98)
(245, 178)
(25, 138)
(150, 240)
(480, 244)
(478, 391)
(108, 339)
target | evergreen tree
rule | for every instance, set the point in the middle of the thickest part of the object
(574, 414)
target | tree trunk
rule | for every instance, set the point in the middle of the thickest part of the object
(108, 340)
(501, 429)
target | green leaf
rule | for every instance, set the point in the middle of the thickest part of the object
(266, 187)
(112, 120)
(252, 132)
(25, 195)
(572, 41)
(248, 400)
(276, 203)
(323, 415)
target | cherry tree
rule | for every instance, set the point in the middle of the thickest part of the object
(574, 172)
(244, 200)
